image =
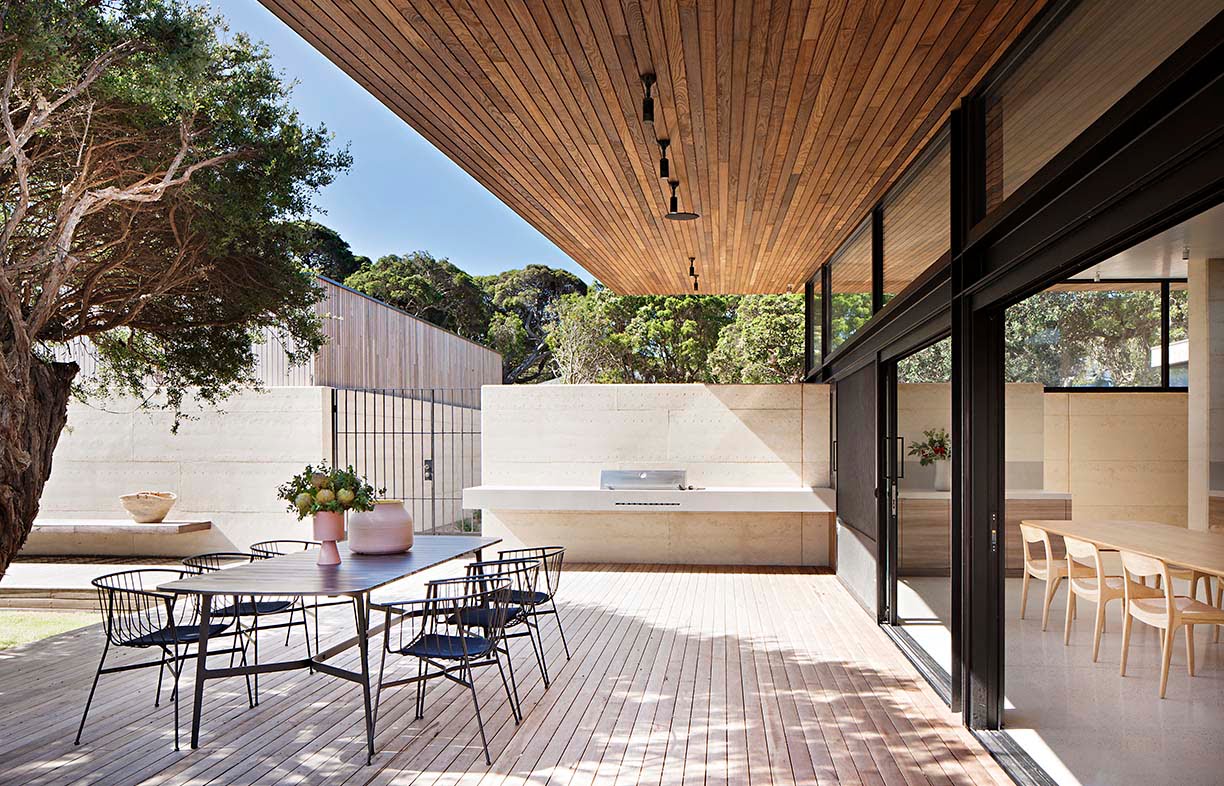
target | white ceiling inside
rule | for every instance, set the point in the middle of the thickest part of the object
(1164, 256)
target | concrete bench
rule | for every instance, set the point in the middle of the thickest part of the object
(114, 536)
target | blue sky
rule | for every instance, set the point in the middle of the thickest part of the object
(402, 194)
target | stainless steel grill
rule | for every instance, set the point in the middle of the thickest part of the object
(658, 479)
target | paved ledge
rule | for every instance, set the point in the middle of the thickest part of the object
(115, 527)
(722, 499)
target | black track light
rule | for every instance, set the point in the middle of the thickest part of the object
(648, 81)
(692, 269)
(695, 287)
(664, 165)
(674, 212)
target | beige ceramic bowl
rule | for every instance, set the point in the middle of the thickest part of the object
(148, 507)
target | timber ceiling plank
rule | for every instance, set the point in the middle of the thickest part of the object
(787, 119)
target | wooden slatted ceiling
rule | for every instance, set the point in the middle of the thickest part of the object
(787, 119)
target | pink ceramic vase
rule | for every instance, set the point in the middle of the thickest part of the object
(328, 528)
(385, 530)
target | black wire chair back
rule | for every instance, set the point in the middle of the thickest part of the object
(268, 549)
(551, 559)
(523, 576)
(135, 614)
(458, 619)
(233, 605)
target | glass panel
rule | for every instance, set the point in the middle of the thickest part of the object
(1179, 335)
(816, 325)
(918, 222)
(850, 288)
(1086, 335)
(1100, 51)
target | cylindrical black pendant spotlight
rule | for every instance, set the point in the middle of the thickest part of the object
(664, 164)
(692, 269)
(695, 287)
(674, 212)
(648, 81)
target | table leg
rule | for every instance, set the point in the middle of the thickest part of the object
(201, 668)
(361, 610)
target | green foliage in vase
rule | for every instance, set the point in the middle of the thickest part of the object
(324, 488)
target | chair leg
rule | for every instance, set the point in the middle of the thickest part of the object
(1069, 615)
(1098, 629)
(420, 697)
(471, 683)
(560, 627)
(1219, 602)
(1190, 649)
(514, 708)
(177, 671)
(537, 648)
(92, 688)
(161, 670)
(513, 682)
(255, 649)
(1126, 630)
(1051, 588)
(1166, 655)
(1024, 592)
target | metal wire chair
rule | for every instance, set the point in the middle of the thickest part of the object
(268, 549)
(137, 616)
(435, 630)
(251, 608)
(523, 575)
(543, 601)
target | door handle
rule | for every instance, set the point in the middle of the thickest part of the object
(900, 457)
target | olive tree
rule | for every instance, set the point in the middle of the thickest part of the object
(150, 171)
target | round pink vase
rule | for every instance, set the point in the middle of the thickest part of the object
(385, 530)
(328, 528)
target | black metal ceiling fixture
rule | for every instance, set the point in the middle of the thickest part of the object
(648, 80)
(692, 269)
(674, 212)
(695, 287)
(664, 165)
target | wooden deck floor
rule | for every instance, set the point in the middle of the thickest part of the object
(679, 676)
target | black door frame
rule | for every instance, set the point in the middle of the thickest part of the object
(947, 684)
(1155, 159)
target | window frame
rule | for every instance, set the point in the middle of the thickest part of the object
(1164, 386)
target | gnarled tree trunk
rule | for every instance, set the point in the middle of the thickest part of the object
(31, 424)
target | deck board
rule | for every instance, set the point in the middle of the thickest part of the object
(680, 675)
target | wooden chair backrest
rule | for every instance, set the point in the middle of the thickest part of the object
(1083, 552)
(1035, 535)
(1140, 566)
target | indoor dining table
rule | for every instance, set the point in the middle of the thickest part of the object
(1178, 546)
(297, 575)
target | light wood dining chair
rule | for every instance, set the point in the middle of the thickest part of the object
(1097, 588)
(1162, 609)
(1046, 569)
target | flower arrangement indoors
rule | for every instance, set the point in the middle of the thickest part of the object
(935, 448)
(327, 493)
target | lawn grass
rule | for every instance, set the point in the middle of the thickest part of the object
(22, 626)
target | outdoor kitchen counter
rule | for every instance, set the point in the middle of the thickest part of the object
(722, 499)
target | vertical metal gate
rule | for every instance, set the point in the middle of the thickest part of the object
(420, 445)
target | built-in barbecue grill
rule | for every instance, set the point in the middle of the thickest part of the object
(644, 479)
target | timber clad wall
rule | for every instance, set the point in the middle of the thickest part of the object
(372, 345)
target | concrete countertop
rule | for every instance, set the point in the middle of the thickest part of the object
(1010, 494)
(721, 499)
(117, 527)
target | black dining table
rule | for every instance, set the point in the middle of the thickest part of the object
(297, 575)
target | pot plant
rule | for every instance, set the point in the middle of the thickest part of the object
(326, 493)
(935, 449)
